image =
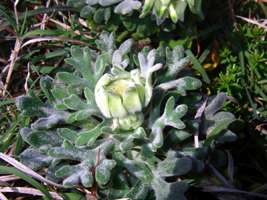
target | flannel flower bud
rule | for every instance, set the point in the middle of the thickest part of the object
(121, 96)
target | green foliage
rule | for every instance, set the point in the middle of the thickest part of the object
(175, 10)
(34, 183)
(80, 146)
(176, 139)
(11, 121)
(162, 9)
(135, 17)
(245, 68)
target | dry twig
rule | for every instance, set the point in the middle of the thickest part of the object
(8, 178)
(27, 190)
(12, 59)
(26, 87)
(16, 13)
(26, 170)
(44, 20)
(262, 24)
(67, 27)
(3, 197)
(42, 39)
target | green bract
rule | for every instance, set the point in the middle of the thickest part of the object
(110, 125)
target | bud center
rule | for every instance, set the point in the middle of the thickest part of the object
(119, 86)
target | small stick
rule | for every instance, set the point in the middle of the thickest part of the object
(196, 140)
(7, 178)
(26, 87)
(26, 190)
(13, 58)
(23, 168)
(3, 197)
(16, 13)
(3, 61)
(255, 22)
(67, 27)
(44, 20)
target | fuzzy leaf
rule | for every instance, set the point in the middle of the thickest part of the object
(174, 166)
(87, 11)
(187, 84)
(126, 46)
(57, 118)
(215, 105)
(127, 6)
(70, 153)
(137, 168)
(91, 2)
(59, 93)
(127, 144)
(76, 174)
(146, 62)
(30, 106)
(108, 2)
(171, 117)
(138, 191)
(176, 60)
(90, 98)
(99, 15)
(67, 134)
(106, 43)
(80, 115)
(90, 136)
(89, 159)
(101, 63)
(34, 159)
(74, 102)
(39, 138)
(103, 171)
(169, 191)
(70, 79)
(46, 84)
(177, 136)
(81, 61)
(217, 130)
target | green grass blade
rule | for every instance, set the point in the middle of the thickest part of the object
(34, 183)
(6, 16)
(197, 66)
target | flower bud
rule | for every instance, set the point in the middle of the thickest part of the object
(121, 94)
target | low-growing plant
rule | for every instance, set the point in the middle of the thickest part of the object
(140, 19)
(245, 71)
(112, 126)
(161, 9)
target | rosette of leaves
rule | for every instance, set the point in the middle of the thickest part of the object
(113, 15)
(139, 18)
(73, 137)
